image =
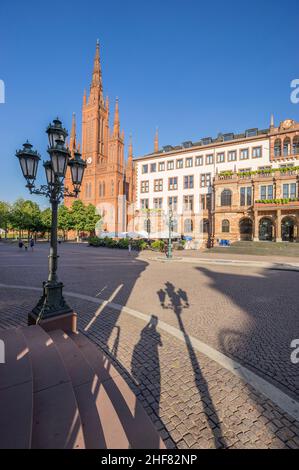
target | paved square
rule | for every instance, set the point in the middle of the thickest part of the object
(153, 315)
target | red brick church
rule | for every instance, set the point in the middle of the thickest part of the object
(108, 180)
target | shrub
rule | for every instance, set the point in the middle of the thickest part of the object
(158, 245)
(95, 241)
(123, 243)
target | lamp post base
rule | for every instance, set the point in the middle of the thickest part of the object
(52, 312)
(66, 322)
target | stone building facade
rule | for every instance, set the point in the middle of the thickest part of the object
(234, 187)
(108, 179)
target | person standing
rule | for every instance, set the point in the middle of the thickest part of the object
(20, 243)
(129, 248)
(31, 244)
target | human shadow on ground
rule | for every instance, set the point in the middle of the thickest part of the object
(177, 301)
(145, 363)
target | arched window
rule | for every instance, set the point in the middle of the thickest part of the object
(277, 148)
(112, 188)
(286, 147)
(100, 190)
(103, 189)
(296, 145)
(147, 225)
(226, 197)
(188, 226)
(225, 226)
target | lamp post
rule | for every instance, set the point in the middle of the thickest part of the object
(170, 227)
(52, 311)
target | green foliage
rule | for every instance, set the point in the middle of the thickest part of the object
(46, 219)
(83, 218)
(158, 245)
(4, 215)
(123, 243)
(65, 221)
(25, 215)
(277, 201)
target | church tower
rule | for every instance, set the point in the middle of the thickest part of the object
(104, 183)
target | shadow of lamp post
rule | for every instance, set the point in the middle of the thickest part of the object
(52, 310)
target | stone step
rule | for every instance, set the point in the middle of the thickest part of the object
(16, 392)
(56, 418)
(109, 406)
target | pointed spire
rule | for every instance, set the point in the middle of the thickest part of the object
(116, 126)
(156, 144)
(97, 73)
(130, 154)
(272, 121)
(73, 134)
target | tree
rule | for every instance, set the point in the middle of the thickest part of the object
(4, 216)
(84, 218)
(91, 219)
(25, 215)
(78, 216)
(46, 220)
(65, 220)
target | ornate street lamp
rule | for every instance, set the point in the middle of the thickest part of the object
(170, 222)
(52, 310)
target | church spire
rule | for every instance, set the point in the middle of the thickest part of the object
(97, 73)
(116, 126)
(156, 144)
(130, 154)
(73, 134)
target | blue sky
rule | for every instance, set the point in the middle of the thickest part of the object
(190, 67)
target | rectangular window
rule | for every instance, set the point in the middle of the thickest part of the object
(161, 166)
(244, 154)
(173, 203)
(290, 190)
(189, 162)
(173, 183)
(170, 165)
(209, 159)
(144, 169)
(158, 203)
(246, 196)
(266, 192)
(256, 152)
(221, 157)
(144, 203)
(199, 160)
(153, 167)
(180, 163)
(232, 156)
(205, 180)
(158, 185)
(188, 182)
(144, 186)
(203, 202)
(188, 203)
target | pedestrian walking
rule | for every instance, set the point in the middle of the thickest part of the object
(129, 248)
(20, 243)
(31, 244)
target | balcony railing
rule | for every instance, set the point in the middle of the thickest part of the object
(254, 175)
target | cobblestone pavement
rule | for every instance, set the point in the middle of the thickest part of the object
(250, 315)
